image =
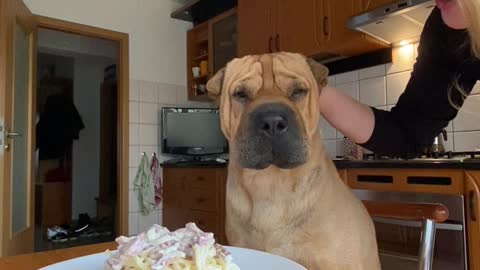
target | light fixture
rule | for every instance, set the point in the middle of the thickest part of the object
(404, 42)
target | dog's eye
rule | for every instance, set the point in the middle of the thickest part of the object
(241, 95)
(298, 94)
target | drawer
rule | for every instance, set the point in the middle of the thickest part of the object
(207, 222)
(190, 178)
(202, 199)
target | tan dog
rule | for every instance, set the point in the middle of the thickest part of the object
(284, 195)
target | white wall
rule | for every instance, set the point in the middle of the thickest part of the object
(157, 42)
(382, 85)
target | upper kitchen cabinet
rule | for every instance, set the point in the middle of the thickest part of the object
(373, 4)
(311, 27)
(210, 46)
(256, 26)
(299, 26)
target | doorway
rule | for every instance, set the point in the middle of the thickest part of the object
(20, 154)
(76, 147)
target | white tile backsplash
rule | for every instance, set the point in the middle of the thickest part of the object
(133, 112)
(133, 134)
(468, 118)
(133, 224)
(373, 91)
(132, 172)
(145, 222)
(346, 77)
(396, 84)
(331, 147)
(467, 141)
(167, 94)
(371, 72)
(133, 156)
(331, 80)
(148, 92)
(351, 89)
(148, 113)
(133, 90)
(132, 201)
(327, 131)
(148, 134)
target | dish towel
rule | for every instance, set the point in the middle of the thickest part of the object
(157, 179)
(143, 186)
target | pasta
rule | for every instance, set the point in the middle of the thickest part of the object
(188, 248)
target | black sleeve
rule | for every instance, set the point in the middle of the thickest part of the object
(425, 108)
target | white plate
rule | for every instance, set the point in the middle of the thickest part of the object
(246, 259)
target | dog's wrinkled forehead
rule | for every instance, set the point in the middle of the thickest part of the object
(266, 72)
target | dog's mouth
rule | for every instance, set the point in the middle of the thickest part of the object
(273, 137)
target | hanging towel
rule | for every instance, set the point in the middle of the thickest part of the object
(157, 179)
(144, 188)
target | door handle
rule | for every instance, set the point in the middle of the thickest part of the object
(277, 42)
(12, 135)
(270, 44)
(473, 216)
(325, 25)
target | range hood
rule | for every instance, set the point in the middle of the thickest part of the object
(394, 24)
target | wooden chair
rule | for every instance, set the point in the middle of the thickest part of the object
(428, 214)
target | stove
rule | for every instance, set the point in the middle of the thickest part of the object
(444, 157)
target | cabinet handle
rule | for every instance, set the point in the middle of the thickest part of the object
(325, 25)
(201, 223)
(277, 42)
(200, 200)
(270, 44)
(200, 179)
(471, 196)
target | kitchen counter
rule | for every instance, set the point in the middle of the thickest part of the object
(467, 164)
(41, 259)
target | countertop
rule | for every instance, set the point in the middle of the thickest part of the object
(41, 259)
(466, 164)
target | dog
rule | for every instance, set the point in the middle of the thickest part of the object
(284, 195)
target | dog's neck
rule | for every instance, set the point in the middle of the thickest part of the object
(319, 168)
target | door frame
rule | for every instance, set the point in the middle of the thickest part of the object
(121, 215)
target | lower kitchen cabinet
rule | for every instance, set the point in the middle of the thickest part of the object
(195, 195)
(472, 197)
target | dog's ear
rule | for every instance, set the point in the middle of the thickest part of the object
(215, 84)
(320, 72)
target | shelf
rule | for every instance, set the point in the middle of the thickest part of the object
(201, 57)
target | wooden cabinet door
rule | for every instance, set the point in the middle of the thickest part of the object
(256, 26)
(373, 4)
(299, 26)
(335, 31)
(472, 197)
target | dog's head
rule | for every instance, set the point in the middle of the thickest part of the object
(269, 108)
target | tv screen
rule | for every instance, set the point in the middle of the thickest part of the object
(192, 131)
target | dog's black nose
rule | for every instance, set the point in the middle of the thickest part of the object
(273, 125)
(272, 120)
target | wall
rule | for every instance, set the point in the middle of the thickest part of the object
(382, 85)
(157, 42)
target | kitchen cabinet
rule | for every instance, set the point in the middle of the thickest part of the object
(472, 196)
(373, 4)
(256, 26)
(210, 46)
(195, 195)
(311, 27)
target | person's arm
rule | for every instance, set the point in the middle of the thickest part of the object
(354, 119)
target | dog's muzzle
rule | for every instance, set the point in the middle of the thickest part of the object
(272, 137)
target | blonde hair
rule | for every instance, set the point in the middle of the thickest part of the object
(471, 11)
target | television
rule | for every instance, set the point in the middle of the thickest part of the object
(192, 132)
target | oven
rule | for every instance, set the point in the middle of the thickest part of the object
(399, 241)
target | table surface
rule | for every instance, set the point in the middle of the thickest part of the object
(41, 259)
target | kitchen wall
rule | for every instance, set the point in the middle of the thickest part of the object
(381, 86)
(146, 100)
